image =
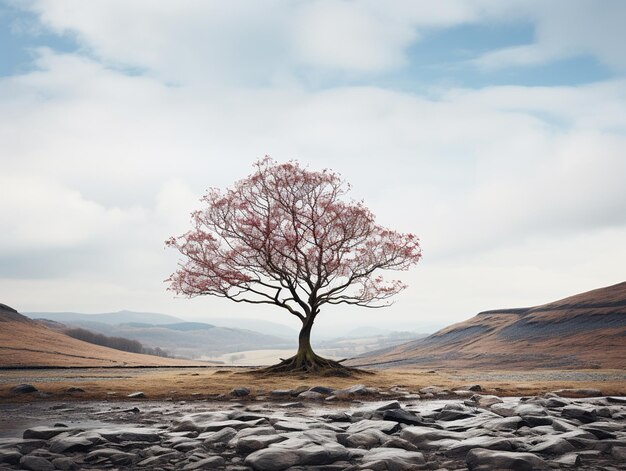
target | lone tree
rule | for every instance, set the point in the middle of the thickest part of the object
(286, 236)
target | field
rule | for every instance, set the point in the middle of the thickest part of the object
(207, 382)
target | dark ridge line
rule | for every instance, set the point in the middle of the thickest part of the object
(4, 307)
(564, 307)
(548, 307)
(515, 310)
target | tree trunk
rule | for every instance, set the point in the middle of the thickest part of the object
(306, 361)
(305, 351)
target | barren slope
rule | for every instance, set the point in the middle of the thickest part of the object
(587, 330)
(25, 343)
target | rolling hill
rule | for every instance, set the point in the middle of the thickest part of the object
(26, 343)
(183, 339)
(587, 330)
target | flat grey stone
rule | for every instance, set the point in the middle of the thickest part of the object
(554, 445)
(252, 443)
(212, 462)
(63, 444)
(44, 433)
(136, 395)
(385, 426)
(392, 459)
(583, 414)
(65, 464)
(489, 443)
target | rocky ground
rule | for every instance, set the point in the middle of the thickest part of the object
(320, 429)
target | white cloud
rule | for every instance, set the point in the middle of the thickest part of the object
(349, 36)
(565, 29)
(122, 160)
(41, 214)
(517, 192)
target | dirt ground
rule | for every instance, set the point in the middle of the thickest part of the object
(208, 382)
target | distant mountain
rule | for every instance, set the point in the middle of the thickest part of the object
(26, 343)
(587, 330)
(257, 325)
(112, 318)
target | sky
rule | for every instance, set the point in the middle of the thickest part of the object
(495, 131)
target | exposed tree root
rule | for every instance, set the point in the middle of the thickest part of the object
(311, 364)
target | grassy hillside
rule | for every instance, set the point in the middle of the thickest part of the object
(587, 330)
(25, 343)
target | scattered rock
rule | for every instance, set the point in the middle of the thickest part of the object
(532, 433)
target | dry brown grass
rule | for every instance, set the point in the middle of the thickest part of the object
(199, 383)
(27, 344)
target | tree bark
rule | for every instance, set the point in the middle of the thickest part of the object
(305, 351)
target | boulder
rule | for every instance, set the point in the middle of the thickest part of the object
(503, 410)
(10, 456)
(213, 462)
(385, 426)
(553, 445)
(130, 434)
(23, 389)
(583, 414)
(489, 460)
(36, 463)
(64, 444)
(391, 459)
(485, 400)
(489, 443)
(365, 439)
(240, 392)
(322, 390)
(402, 416)
(278, 457)
(252, 443)
(65, 464)
(569, 460)
(44, 433)
(312, 396)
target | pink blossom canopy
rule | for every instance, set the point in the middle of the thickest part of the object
(285, 236)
